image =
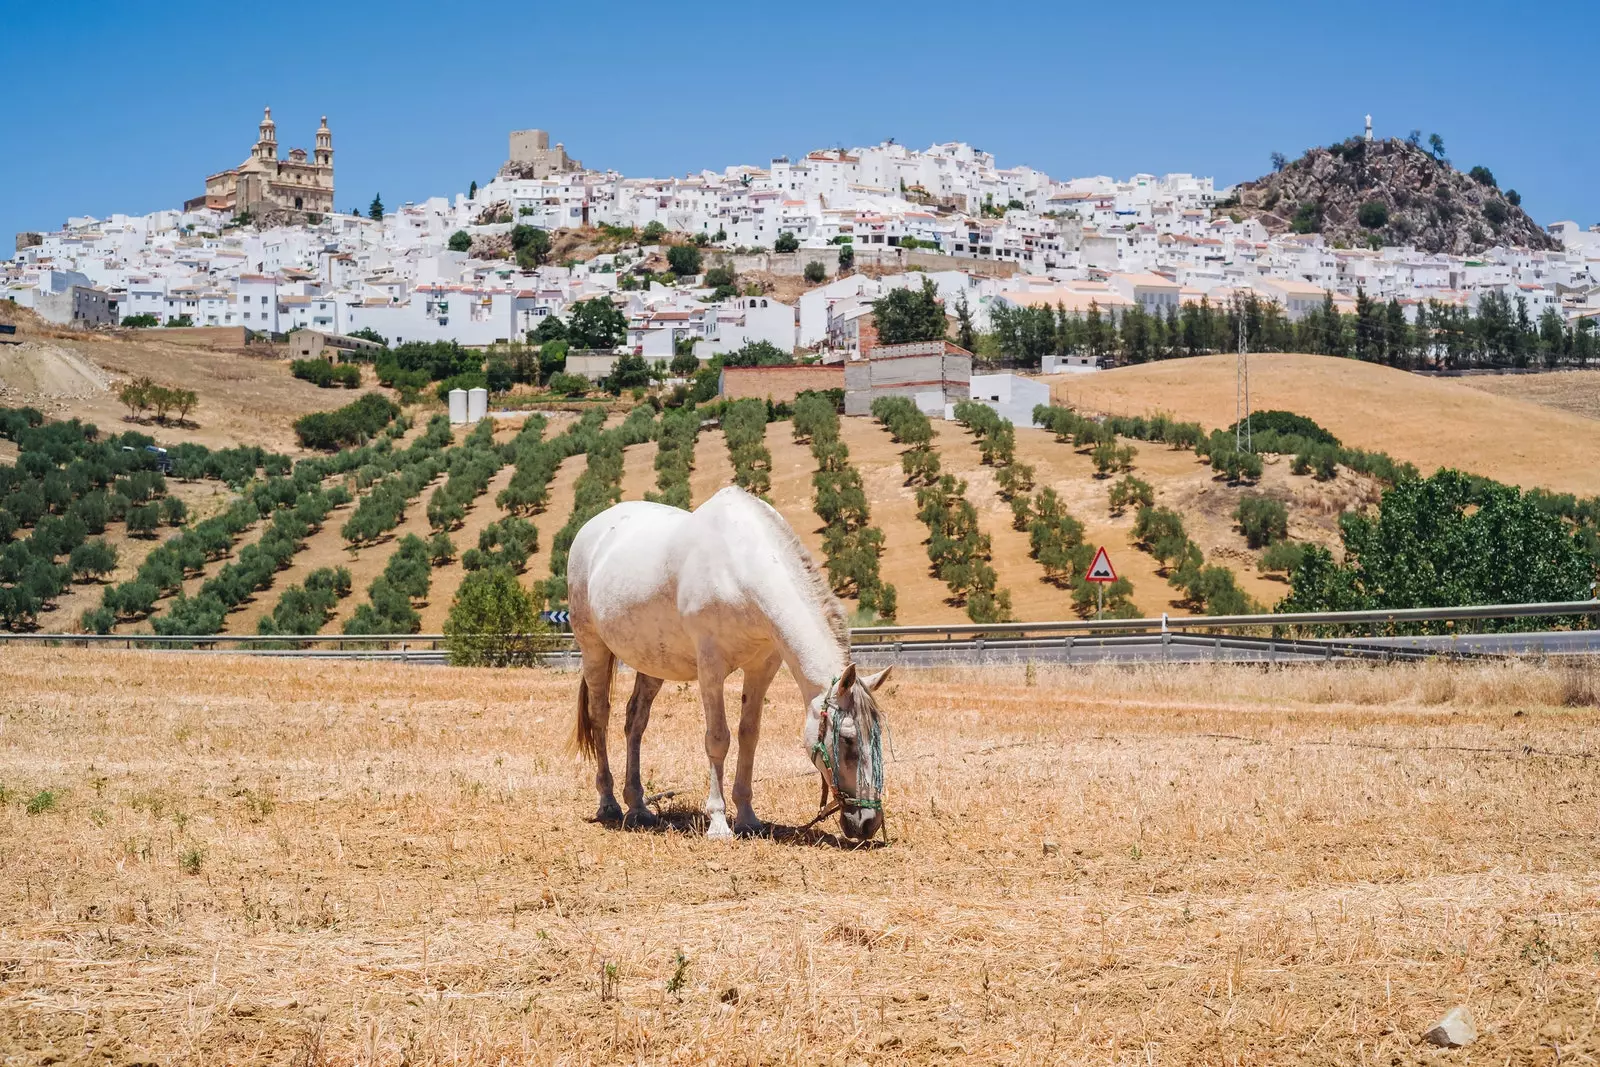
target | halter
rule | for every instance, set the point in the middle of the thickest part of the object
(819, 754)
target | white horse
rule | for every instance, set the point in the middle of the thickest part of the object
(696, 596)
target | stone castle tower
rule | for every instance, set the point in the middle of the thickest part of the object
(266, 183)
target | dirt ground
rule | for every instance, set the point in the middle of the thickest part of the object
(210, 860)
(243, 399)
(1432, 422)
(1576, 391)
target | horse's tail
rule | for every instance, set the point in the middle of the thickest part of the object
(583, 727)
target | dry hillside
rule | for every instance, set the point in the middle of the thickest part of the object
(1432, 422)
(1576, 391)
(1411, 197)
(1427, 421)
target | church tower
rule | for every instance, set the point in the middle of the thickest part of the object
(267, 146)
(324, 153)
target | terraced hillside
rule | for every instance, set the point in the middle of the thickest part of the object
(1484, 427)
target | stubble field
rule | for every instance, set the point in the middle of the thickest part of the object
(216, 860)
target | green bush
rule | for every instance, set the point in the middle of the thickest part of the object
(1282, 557)
(494, 622)
(353, 424)
(1262, 520)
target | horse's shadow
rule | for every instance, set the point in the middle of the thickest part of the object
(693, 822)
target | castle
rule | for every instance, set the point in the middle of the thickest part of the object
(532, 156)
(266, 183)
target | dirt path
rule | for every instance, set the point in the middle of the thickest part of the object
(713, 469)
(792, 468)
(554, 516)
(638, 470)
(1032, 598)
(447, 579)
(904, 563)
(325, 548)
(367, 563)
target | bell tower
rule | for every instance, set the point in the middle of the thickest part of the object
(267, 146)
(324, 151)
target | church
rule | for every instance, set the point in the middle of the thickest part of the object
(266, 183)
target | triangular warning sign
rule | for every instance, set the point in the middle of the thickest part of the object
(1101, 570)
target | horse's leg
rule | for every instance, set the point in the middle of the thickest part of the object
(645, 689)
(757, 677)
(597, 673)
(712, 675)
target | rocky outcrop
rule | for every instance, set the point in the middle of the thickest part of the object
(1409, 197)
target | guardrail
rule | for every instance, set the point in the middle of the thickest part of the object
(969, 635)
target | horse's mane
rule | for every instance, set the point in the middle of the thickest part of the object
(812, 579)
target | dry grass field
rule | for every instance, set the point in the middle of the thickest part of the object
(1432, 422)
(213, 860)
(1575, 391)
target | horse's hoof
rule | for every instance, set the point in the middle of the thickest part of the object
(608, 813)
(718, 831)
(641, 819)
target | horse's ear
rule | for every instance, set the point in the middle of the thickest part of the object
(874, 681)
(848, 678)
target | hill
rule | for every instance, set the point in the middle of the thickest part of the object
(1392, 192)
(1432, 422)
(1427, 421)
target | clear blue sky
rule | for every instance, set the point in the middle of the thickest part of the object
(126, 107)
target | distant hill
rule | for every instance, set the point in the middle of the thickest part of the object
(1392, 192)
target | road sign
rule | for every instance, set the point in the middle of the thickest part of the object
(1101, 570)
(556, 618)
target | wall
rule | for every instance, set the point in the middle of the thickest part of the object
(198, 335)
(1010, 395)
(895, 259)
(592, 365)
(779, 383)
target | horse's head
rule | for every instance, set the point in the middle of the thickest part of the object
(844, 737)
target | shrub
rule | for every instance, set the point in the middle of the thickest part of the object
(1374, 214)
(1282, 557)
(1262, 520)
(816, 274)
(353, 424)
(494, 622)
(570, 384)
(1131, 491)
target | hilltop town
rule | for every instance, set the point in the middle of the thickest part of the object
(811, 240)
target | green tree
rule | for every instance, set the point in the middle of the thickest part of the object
(847, 257)
(596, 323)
(1436, 145)
(1513, 198)
(460, 241)
(786, 242)
(1262, 520)
(494, 622)
(654, 232)
(684, 363)
(1374, 214)
(530, 245)
(375, 210)
(684, 260)
(757, 354)
(815, 272)
(1445, 541)
(628, 372)
(472, 190)
(966, 335)
(1482, 175)
(903, 315)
